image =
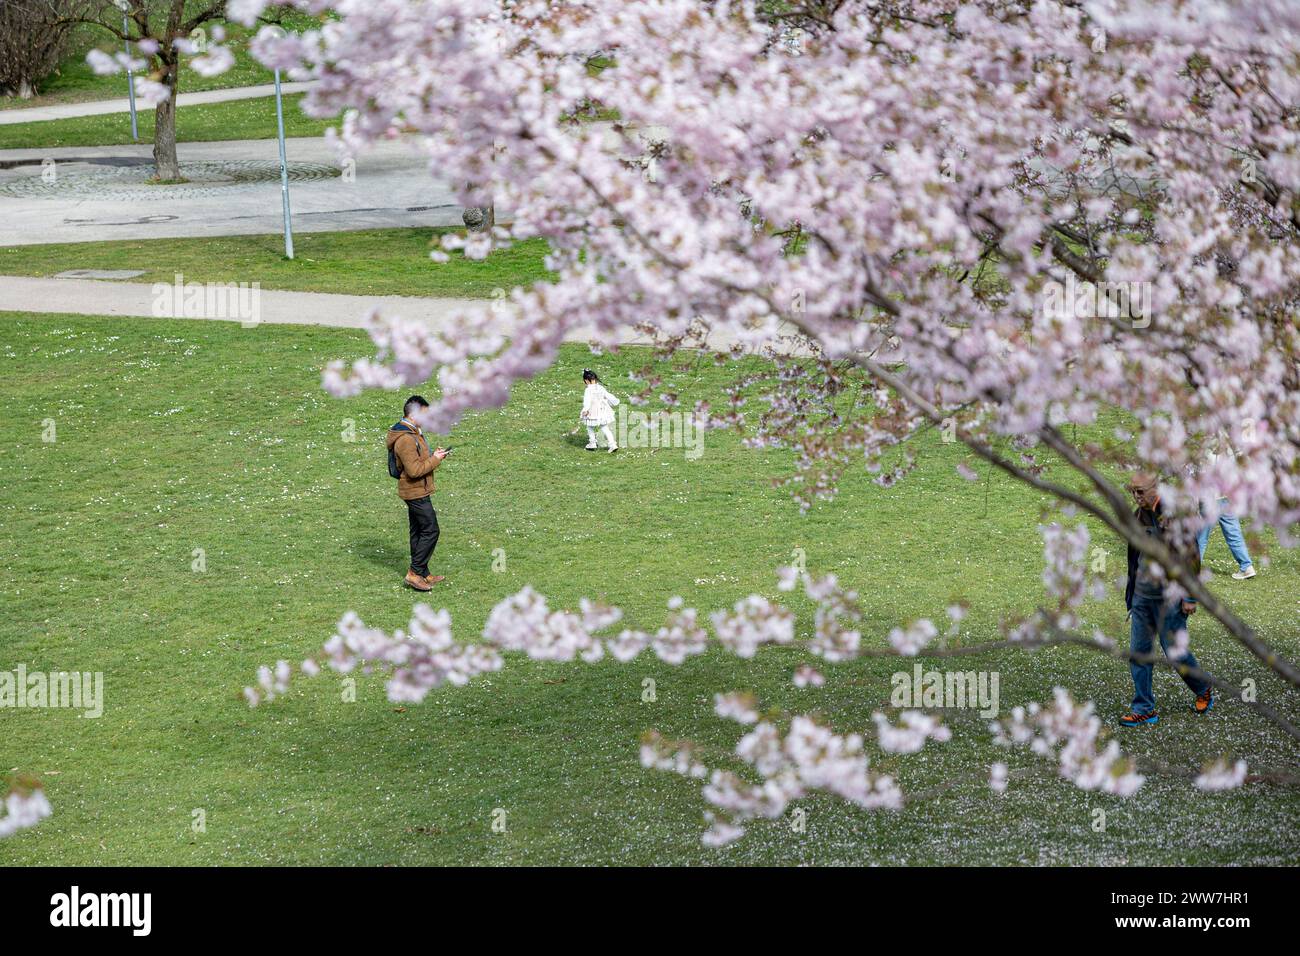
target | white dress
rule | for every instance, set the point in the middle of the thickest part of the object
(598, 406)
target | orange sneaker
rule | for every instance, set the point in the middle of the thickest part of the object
(1139, 720)
(1204, 703)
(413, 580)
(434, 578)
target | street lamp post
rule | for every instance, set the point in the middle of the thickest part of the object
(278, 32)
(284, 171)
(130, 80)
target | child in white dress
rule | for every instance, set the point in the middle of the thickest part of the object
(597, 410)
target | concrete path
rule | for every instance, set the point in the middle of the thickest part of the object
(92, 193)
(40, 114)
(101, 297)
(143, 300)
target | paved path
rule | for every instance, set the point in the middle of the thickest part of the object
(102, 297)
(91, 193)
(40, 114)
(137, 299)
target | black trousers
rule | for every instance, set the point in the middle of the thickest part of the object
(424, 533)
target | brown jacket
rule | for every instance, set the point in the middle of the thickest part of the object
(417, 463)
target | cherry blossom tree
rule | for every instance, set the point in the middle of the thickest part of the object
(160, 32)
(1002, 219)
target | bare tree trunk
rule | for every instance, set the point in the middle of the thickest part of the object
(166, 166)
(25, 89)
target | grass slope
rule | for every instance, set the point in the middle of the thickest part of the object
(196, 123)
(364, 262)
(174, 436)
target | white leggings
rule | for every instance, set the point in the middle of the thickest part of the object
(604, 430)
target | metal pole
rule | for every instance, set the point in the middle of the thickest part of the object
(130, 82)
(284, 171)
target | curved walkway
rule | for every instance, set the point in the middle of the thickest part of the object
(144, 300)
(40, 114)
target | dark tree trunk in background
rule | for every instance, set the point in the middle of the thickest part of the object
(164, 128)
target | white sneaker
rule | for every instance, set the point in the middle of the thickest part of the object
(590, 447)
(1245, 575)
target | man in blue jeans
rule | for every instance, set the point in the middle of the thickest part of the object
(1152, 615)
(1236, 543)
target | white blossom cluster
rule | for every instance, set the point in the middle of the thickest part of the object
(835, 639)
(755, 621)
(742, 708)
(911, 640)
(24, 807)
(1066, 574)
(998, 778)
(1071, 733)
(805, 676)
(910, 735)
(836, 636)
(1220, 775)
(674, 756)
(808, 758)
(417, 660)
(524, 622)
(680, 636)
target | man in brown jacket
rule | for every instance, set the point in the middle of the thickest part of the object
(413, 464)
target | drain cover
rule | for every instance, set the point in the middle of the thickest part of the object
(100, 274)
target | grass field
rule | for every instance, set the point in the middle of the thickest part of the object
(364, 262)
(196, 123)
(175, 436)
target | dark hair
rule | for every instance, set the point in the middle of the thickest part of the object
(589, 376)
(414, 400)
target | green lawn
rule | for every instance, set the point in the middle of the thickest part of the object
(368, 261)
(174, 436)
(201, 123)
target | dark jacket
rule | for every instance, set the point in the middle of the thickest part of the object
(1155, 520)
(415, 459)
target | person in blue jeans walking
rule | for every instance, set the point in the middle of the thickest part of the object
(1154, 615)
(1236, 542)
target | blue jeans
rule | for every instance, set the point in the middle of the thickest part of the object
(1231, 534)
(1152, 616)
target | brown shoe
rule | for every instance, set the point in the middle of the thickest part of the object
(413, 580)
(435, 578)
